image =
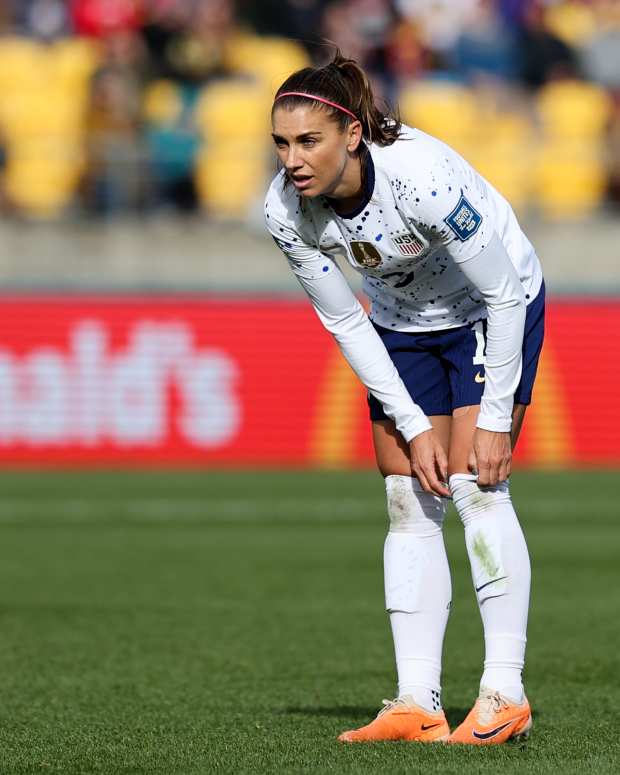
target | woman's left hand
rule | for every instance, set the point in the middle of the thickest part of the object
(491, 457)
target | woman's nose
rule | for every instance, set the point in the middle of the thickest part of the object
(292, 159)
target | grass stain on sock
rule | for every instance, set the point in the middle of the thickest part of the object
(483, 552)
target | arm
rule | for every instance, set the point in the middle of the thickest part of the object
(344, 317)
(491, 272)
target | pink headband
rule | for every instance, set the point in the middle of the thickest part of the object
(319, 99)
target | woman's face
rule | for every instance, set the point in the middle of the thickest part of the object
(318, 157)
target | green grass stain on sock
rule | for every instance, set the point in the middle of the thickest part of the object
(483, 552)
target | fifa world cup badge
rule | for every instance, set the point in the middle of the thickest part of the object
(366, 254)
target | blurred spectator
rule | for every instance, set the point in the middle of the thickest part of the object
(172, 143)
(44, 19)
(364, 29)
(339, 26)
(115, 180)
(186, 39)
(486, 47)
(543, 55)
(439, 21)
(512, 12)
(163, 31)
(601, 53)
(4, 204)
(298, 19)
(406, 57)
(103, 17)
(613, 165)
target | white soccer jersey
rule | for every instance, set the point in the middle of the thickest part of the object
(428, 214)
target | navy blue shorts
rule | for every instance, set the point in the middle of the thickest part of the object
(443, 370)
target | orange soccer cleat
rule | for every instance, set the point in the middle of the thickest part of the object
(401, 719)
(494, 719)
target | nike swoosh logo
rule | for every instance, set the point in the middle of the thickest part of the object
(479, 378)
(424, 727)
(482, 586)
(493, 732)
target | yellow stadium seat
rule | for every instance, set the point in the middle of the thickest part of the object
(445, 110)
(503, 153)
(230, 181)
(42, 175)
(573, 110)
(233, 109)
(44, 91)
(573, 22)
(38, 114)
(27, 66)
(570, 179)
(21, 65)
(507, 169)
(75, 59)
(270, 60)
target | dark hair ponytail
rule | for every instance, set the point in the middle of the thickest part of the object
(343, 82)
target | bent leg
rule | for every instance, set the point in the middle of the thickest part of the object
(498, 557)
(417, 588)
(417, 576)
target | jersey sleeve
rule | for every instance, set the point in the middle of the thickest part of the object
(344, 317)
(493, 274)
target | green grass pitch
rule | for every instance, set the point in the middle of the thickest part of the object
(233, 623)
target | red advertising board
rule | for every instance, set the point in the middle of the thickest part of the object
(206, 381)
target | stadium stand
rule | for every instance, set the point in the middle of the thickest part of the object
(233, 122)
(44, 93)
(570, 173)
(155, 105)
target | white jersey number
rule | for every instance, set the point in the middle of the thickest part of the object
(478, 359)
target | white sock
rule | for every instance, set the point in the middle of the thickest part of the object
(417, 588)
(500, 567)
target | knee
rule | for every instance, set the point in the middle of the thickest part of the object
(411, 509)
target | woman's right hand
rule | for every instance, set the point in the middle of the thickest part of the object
(429, 463)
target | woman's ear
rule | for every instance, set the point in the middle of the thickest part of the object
(354, 136)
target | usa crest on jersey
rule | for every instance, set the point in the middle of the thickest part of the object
(409, 244)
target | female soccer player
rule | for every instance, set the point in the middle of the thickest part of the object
(448, 356)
